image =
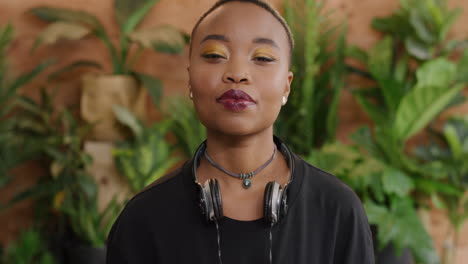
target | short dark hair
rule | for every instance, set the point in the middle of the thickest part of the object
(259, 3)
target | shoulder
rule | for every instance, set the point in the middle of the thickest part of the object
(152, 199)
(326, 188)
(339, 204)
(166, 186)
(144, 208)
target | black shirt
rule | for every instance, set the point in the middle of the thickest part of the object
(325, 224)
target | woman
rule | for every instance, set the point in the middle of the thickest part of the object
(244, 197)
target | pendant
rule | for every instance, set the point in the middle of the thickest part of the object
(246, 183)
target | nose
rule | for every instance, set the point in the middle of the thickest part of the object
(236, 74)
(235, 78)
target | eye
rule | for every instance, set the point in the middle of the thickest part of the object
(212, 56)
(263, 59)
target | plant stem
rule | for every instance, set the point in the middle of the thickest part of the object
(135, 56)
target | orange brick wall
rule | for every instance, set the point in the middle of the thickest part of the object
(171, 69)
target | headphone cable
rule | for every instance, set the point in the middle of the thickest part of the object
(219, 243)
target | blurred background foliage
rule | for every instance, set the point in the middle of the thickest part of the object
(411, 76)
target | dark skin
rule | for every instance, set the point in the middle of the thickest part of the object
(240, 46)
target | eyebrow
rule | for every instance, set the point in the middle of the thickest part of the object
(266, 41)
(215, 37)
(226, 39)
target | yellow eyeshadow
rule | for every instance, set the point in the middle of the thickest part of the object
(264, 52)
(216, 49)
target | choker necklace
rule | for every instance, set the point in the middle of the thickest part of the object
(246, 183)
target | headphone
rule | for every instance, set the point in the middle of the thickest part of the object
(275, 198)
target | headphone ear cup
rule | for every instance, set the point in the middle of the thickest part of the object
(284, 204)
(206, 201)
(216, 197)
(268, 203)
(202, 202)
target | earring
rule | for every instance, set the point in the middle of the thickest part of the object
(191, 95)
(284, 100)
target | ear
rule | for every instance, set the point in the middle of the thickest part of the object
(287, 88)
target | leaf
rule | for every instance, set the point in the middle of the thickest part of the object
(438, 72)
(429, 186)
(438, 203)
(357, 53)
(434, 169)
(336, 158)
(421, 106)
(392, 91)
(394, 24)
(363, 137)
(61, 31)
(456, 147)
(52, 14)
(6, 36)
(401, 69)
(450, 18)
(462, 68)
(380, 58)
(397, 182)
(87, 186)
(76, 64)
(160, 171)
(185, 125)
(29, 76)
(127, 118)
(153, 85)
(420, 28)
(400, 225)
(55, 169)
(130, 13)
(418, 49)
(375, 112)
(36, 191)
(166, 39)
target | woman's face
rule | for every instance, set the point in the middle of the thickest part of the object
(239, 69)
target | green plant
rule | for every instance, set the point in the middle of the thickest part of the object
(449, 150)
(406, 97)
(9, 85)
(57, 139)
(310, 117)
(74, 24)
(67, 188)
(400, 109)
(385, 193)
(422, 27)
(147, 156)
(29, 248)
(90, 225)
(185, 126)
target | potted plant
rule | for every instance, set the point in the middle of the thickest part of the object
(9, 85)
(412, 85)
(90, 226)
(310, 116)
(67, 196)
(29, 248)
(145, 157)
(449, 149)
(123, 85)
(385, 192)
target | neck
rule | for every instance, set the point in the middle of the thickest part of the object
(240, 154)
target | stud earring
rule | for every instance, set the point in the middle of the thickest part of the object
(191, 95)
(284, 100)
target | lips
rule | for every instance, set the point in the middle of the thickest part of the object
(235, 100)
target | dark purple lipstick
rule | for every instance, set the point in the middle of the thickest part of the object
(235, 100)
